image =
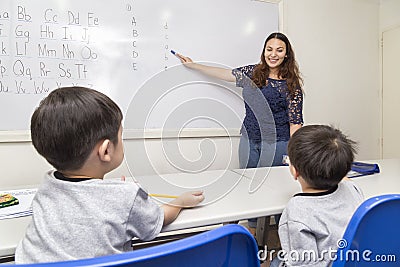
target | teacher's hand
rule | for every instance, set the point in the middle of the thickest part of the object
(187, 61)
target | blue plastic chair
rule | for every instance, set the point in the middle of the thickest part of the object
(372, 237)
(227, 246)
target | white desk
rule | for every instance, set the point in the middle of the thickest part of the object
(11, 231)
(385, 182)
(279, 179)
(223, 190)
(227, 196)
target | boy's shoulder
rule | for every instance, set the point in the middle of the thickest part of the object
(302, 204)
(111, 196)
(90, 186)
(351, 188)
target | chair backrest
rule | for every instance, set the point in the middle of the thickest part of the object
(373, 234)
(226, 246)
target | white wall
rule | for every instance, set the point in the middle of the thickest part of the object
(337, 46)
(20, 165)
(390, 34)
(389, 14)
(191, 152)
(197, 149)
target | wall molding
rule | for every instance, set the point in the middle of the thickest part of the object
(24, 136)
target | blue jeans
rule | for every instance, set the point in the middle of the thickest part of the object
(275, 262)
(253, 154)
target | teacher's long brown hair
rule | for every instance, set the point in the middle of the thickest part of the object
(288, 70)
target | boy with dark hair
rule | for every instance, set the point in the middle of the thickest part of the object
(77, 214)
(315, 220)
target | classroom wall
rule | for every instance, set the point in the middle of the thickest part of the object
(389, 14)
(337, 44)
(148, 153)
(390, 34)
(339, 60)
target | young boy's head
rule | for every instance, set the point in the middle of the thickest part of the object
(321, 155)
(70, 122)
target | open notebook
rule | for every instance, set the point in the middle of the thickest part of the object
(24, 206)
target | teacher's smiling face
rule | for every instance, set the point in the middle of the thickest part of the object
(274, 53)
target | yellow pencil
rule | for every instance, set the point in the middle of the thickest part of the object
(162, 195)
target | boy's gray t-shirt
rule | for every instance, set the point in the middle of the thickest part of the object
(75, 220)
(312, 224)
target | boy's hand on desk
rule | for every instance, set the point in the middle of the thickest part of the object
(188, 199)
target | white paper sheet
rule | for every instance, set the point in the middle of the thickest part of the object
(24, 208)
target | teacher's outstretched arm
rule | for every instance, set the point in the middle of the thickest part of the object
(216, 72)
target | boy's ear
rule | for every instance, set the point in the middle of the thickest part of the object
(293, 171)
(104, 150)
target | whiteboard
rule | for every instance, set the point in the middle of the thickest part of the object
(122, 48)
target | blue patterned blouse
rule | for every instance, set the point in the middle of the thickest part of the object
(269, 109)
